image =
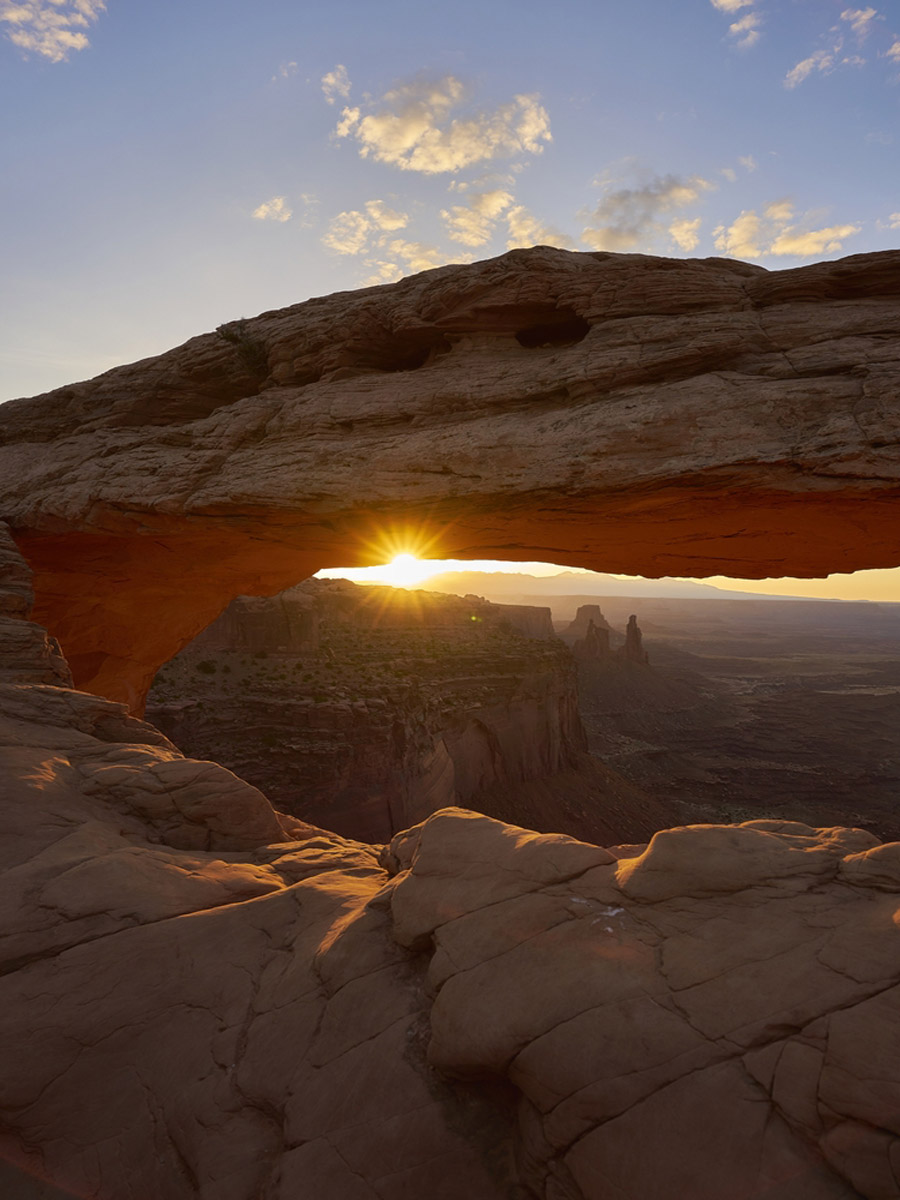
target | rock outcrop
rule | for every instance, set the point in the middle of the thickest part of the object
(202, 1001)
(404, 703)
(586, 615)
(626, 413)
(633, 650)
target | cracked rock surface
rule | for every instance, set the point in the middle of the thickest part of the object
(200, 997)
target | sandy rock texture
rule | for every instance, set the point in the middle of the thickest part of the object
(632, 414)
(201, 998)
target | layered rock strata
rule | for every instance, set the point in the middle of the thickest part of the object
(404, 703)
(631, 414)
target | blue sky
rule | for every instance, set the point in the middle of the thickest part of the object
(175, 165)
(170, 166)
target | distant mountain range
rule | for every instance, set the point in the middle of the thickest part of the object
(500, 586)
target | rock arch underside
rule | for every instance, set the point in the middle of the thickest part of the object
(202, 997)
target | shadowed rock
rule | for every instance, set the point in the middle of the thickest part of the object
(631, 414)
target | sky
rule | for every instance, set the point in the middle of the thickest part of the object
(168, 167)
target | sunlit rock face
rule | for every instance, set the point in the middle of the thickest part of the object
(627, 413)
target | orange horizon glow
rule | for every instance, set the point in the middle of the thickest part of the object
(407, 570)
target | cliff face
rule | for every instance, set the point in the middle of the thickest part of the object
(366, 709)
(542, 405)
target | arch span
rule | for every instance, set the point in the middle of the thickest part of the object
(688, 417)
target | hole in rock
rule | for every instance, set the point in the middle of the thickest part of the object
(563, 328)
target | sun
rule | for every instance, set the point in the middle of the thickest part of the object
(405, 570)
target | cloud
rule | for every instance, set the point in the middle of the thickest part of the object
(384, 272)
(275, 209)
(629, 218)
(336, 83)
(526, 230)
(804, 243)
(285, 71)
(350, 232)
(860, 19)
(729, 173)
(684, 233)
(748, 162)
(894, 221)
(412, 256)
(419, 257)
(51, 28)
(472, 224)
(862, 22)
(819, 60)
(746, 30)
(776, 233)
(413, 127)
(742, 238)
(347, 233)
(386, 218)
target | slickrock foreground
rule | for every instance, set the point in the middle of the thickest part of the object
(202, 998)
(632, 414)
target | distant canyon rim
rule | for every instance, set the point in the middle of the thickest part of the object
(627, 413)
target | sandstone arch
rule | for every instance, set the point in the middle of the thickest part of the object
(634, 414)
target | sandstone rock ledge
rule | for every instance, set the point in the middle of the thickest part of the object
(200, 999)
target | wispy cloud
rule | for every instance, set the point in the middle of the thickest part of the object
(421, 257)
(285, 71)
(860, 19)
(336, 83)
(831, 55)
(275, 209)
(894, 221)
(418, 127)
(526, 230)
(630, 218)
(51, 28)
(819, 60)
(776, 232)
(746, 30)
(472, 224)
(684, 233)
(351, 232)
(383, 217)
(748, 162)
(347, 233)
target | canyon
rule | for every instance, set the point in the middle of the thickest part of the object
(366, 709)
(204, 996)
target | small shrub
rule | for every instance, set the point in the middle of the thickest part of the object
(251, 352)
(206, 667)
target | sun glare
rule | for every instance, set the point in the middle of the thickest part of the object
(405, 570)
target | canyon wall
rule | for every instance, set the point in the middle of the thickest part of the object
(365, 709)
(632, 414)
